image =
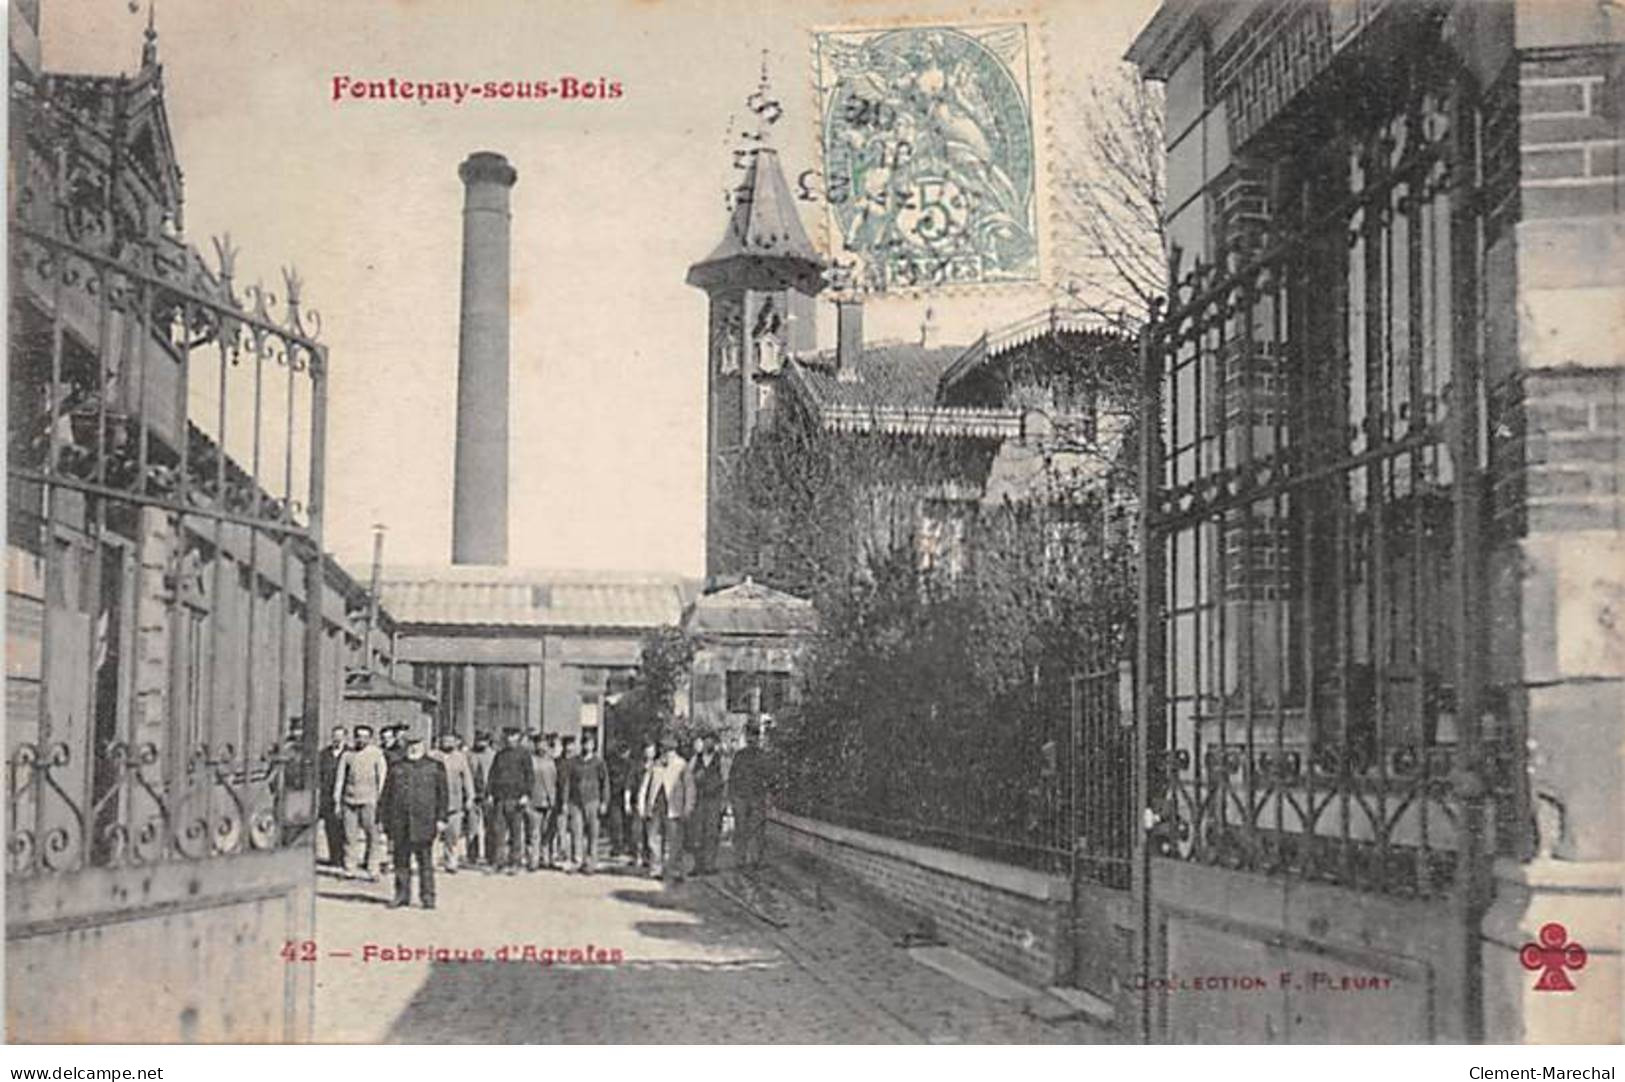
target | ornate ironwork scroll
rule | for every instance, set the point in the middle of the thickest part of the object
(164, 492)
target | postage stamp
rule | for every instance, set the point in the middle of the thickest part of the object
(932, 155)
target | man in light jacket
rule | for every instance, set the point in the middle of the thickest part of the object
(357, 786)
(669, 797)
(642, 828)
(459, 799)
(543, 811)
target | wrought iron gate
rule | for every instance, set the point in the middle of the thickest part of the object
(1099, 809)
(164, 572)
(1102, 765)
(1312, 508)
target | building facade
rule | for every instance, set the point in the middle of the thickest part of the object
(539, 651)
(1381, 533)
(748, 645)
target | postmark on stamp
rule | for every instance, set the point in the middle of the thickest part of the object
(931, 156)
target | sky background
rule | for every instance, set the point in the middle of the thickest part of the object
(615, 199)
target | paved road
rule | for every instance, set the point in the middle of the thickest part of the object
(697, 963)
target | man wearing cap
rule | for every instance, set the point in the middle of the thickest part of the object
(668, 794)
(414, 809)
(512, 778)
(459, 796)
(583, 802)
(484, 814)
(542, 817)
(394, 747)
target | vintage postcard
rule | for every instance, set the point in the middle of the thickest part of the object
(816, 523)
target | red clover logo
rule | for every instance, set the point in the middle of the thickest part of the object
(1553, 954)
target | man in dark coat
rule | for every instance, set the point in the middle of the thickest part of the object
(710, 791)
(394, 745)
(414, 806)
(327, 772)
(747, 791)
(584, 794)
(509, 784)
(484, 810)
(565, 784)
(616, 821)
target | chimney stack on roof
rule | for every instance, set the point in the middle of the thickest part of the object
(928, 328)
(479, 532)
(848, 337)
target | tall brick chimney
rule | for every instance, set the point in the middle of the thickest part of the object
(479, 531)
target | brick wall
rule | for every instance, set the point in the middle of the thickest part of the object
(1572, 449)
(1557, 648)
(1570, 112)
(1012, 919)
(381, 712)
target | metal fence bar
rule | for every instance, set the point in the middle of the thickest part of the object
(1320, 591)
(95, 785)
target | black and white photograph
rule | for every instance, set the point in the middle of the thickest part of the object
(835, 523)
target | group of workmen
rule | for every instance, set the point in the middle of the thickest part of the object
(533, 803)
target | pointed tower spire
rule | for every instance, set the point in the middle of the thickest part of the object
(764, 239)
(760, 280)
(149, 44)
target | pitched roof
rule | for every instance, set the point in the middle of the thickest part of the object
(1164, 41)
(898, 387)
(764, 233)
(891, 387)
(470, 596)
(129, 107)
(1052, 322)
(750, 608)
(884, 374)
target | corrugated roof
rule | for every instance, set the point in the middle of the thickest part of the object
(750, 609)
(508, 597)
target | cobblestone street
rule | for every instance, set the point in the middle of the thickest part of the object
(728, 958)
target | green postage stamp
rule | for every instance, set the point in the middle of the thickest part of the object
(932, 156)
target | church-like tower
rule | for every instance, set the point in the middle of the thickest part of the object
(761, 281)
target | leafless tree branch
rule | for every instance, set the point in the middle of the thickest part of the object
(1111, 192)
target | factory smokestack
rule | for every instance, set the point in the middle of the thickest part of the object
(479, 531)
